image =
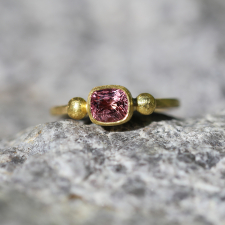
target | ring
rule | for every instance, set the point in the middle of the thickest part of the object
(112, 105)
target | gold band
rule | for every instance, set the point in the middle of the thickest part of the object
(163, 103)
(167, 103)
(59, 110)
(112, 96)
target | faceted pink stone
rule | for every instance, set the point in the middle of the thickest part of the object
(109, 105)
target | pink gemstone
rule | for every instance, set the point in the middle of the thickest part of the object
(109, 105)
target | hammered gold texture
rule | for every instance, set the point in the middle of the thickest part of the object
(59, 110)
(77, 108)
(145, 104)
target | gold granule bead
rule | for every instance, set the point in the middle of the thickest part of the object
(146, 104)
(77, 108)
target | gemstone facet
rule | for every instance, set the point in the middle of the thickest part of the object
(109, 105)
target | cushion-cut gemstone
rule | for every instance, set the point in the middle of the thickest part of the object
(109, 105)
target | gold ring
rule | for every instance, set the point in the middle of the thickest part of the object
(112, 105)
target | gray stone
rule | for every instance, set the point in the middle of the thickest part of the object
(152, 170)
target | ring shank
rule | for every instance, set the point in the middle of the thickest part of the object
(163, 103)
(59, 110)
(167, 103)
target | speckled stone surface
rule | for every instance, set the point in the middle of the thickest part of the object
(152, 170)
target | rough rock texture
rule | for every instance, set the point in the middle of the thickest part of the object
(54, 50)
(152, 170)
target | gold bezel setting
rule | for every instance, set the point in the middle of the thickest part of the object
(130, 105)
(146, 104)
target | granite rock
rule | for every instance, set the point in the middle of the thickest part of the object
(152, 170)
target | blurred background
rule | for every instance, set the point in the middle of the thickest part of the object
(53, 50)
